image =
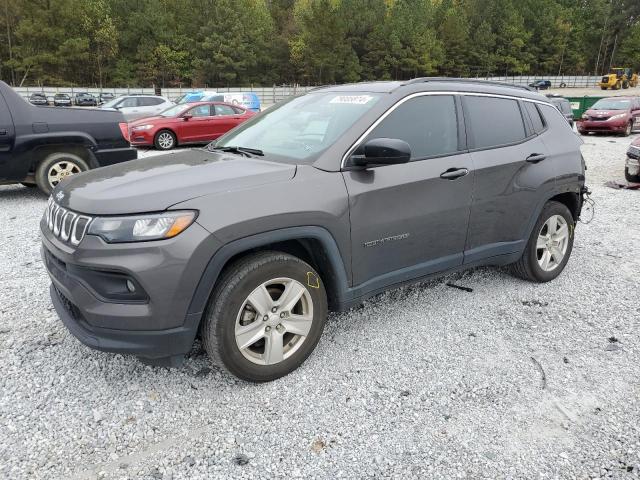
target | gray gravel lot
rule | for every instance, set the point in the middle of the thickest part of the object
(427, 381)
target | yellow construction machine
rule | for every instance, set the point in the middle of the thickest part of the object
(620, 77)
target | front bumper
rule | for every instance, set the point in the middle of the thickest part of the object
(168, 271)
(602, 126)
(141, 137)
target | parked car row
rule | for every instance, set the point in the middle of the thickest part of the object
(81, 99)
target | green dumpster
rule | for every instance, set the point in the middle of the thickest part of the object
(581, 104)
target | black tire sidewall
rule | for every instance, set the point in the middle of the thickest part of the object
(230, 301)
(550, 209)
(157, 144)
(42, 170)
(629, 177)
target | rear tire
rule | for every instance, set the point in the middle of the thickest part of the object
(549, 246)
(245, 309)
(631, 178)
(56, 167)
(164, 140)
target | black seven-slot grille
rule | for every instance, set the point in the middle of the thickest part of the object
(68, 226)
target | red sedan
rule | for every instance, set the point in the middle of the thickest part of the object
(187, 124)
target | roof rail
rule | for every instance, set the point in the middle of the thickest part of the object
(467, 80)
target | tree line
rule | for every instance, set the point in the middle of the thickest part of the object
(264, 42)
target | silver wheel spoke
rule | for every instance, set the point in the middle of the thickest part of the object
(249, 334)
(261, 300)
(546, 258)
(556, 254)
(542, 242)
(298, 324)
(273, 348)
(552, 225)
(561, 233)
(291, 296)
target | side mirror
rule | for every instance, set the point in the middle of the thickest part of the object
(383, 151)
(187, 116)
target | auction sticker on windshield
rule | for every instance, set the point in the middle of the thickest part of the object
(352, 99)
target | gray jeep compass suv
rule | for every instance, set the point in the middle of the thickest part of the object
(317, 203)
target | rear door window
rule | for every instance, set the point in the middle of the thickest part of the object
(224, 110)
(494, 121)
(429, 125)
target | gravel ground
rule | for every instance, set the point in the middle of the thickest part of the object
(512, 380)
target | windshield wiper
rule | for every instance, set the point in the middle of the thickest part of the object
(248, 152)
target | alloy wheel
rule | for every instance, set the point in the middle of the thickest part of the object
(165, 140)
(274, 321)
(61, 170)
(552, 243)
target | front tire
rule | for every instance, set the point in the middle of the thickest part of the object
(56, 167)
(627, 130)
(265, 317)
(549, 247)
(164, 140)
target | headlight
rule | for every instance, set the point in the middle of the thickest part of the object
(142, 127)
(139, 228)
(585, 116)
(618, 117)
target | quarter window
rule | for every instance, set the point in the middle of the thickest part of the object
(494, 121)
(428, 124)
(535, 116)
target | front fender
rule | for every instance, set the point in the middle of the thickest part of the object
(229, 250)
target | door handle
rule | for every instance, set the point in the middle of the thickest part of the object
(536, 157)
(453, 173)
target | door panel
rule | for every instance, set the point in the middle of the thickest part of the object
(407, 217)
(506, 193)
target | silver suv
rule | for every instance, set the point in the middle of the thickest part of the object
(138, 106)
(313, 205)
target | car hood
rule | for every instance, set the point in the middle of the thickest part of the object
(145, 120)
(604, 113)
(155, 184)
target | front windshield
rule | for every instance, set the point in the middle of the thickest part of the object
(173, 111)
(611, 104)
(301, 128)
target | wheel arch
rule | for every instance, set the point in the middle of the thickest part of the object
(313, 244)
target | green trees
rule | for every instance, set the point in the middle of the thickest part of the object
(243, 42)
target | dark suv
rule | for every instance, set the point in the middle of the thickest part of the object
(316, 203)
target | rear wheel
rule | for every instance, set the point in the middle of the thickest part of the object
(165, 140)
(265, 317)
(56, 167)
(549, 246)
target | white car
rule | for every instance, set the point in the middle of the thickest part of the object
(138, 106)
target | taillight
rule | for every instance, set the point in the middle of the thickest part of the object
(124, 129)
